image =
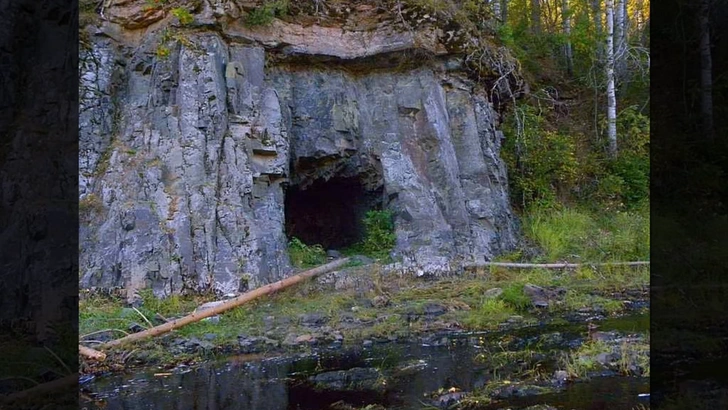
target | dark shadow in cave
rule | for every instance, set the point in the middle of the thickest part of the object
(330, 212)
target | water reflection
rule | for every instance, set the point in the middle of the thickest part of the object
(397, 376)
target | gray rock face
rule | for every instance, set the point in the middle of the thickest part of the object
(186, 162)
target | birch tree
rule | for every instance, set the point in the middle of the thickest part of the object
(566, 19)
(706, 69)
(497, 10)
(611, 97)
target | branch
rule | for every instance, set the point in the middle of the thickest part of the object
(91, 353)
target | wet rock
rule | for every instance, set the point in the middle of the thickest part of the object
(135, 327)
(291, 339)
(515, 319)
(539, 297)
(605, 358)
(518, 390)
(313, 319)
(434, 309)
(560, 376)
(212, 319)
(357, 378)
(256, 344)
(449, 400)
(552, 338)
(310, 339)
(409, 368)
(194, 344)
(210, 336)
(603, 336)
(434, 340)
(333, 254)
(367, 343)
(493, 293)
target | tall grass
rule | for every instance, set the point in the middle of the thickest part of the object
(575, 235)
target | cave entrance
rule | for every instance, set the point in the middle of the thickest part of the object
(330, 212)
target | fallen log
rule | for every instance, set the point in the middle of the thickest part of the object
(227, 305)
(556, 265)
(91, 353)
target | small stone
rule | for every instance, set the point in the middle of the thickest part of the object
(305, 339)
(493, 293)
(209, 336)
(604, 358)
(212, 319)
(209, 305)
(333, 254)
(290, 340)
(561, 376)
(434, 309)
(380, 301)
(367, 343)
(135, 327)
(313, 319)
(515, 319)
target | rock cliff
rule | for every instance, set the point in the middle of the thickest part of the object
(204, 146)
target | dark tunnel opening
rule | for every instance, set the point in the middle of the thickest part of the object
(329, 213)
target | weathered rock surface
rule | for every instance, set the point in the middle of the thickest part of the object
(187, 156)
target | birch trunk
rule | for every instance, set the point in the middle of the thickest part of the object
(706, 70)
(611, 97)
(497, 10)
(567, 32)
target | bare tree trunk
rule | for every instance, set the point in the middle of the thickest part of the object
(611, 97)
(596, 6)
(536, 16)
(496, 10)
(566, 19)
(620, 39)
(504, 11)
(706, 70)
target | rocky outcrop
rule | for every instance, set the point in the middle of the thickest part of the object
(191, 139)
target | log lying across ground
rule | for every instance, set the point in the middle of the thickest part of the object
(91, 353)
(557, 265)
(227, 305)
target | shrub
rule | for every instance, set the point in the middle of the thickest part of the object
(305, 256)
(183, 15)
(379, 236)
(263, 15)
(541, 162)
